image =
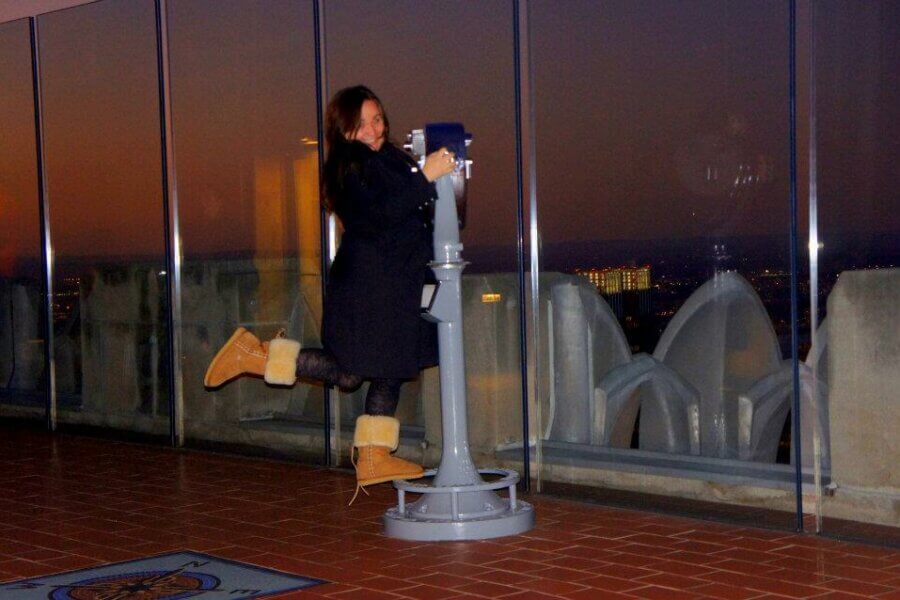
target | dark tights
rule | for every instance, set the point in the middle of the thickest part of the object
(383, 394)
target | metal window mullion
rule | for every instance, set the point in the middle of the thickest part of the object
(795, 268)
(326, 222)
(172, 228)
(814, 259)
(46, 240)
(527, 190)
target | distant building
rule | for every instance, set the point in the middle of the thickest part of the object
(627, 292)
(625, 289)
(608, 282)
(636, 285)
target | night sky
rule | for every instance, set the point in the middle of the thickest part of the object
(654, 119)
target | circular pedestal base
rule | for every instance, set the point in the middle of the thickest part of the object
(513, 522)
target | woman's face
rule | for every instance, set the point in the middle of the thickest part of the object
(371, 126)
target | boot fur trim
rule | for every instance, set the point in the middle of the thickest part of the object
(374, 430)
(281, 364)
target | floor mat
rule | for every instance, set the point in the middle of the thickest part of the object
(174, 576)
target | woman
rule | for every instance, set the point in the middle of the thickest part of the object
(371, 328)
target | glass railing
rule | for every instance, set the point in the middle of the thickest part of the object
(854, 242)
(425, 71)
(663, 206)
(100, 112)
(23, 380)
(246, 157)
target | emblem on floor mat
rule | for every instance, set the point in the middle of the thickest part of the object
(174, 576)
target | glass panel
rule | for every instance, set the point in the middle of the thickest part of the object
(22, 375)
(424, 73)
(663, 206)
(244, 118)
(852, 368)
(102, 146)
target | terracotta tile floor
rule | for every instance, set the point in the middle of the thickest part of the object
(70, 502)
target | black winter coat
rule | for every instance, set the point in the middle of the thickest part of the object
(372, 322)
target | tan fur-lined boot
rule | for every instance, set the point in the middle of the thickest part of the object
(243, 354)
(375, 438)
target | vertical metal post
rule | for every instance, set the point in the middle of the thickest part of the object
(46, 241)
(326, 241)
(795, 268)
(526, 182)
(814, 255)
(171, 227)
(520, 251)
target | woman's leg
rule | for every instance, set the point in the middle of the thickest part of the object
(383, 396)
(316, 363)
(280, 361)
(377, 435)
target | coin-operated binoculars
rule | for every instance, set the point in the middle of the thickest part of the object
(458, 504)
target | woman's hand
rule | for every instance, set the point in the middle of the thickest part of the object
(438, 164)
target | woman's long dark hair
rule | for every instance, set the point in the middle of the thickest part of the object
(341, 122)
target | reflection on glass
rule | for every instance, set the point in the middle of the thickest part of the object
(662, 170)
(22, 374)
(856, 246)
(426, 71)
(244, 120)
(102, 148)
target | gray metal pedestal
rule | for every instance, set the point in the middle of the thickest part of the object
(458, 504)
